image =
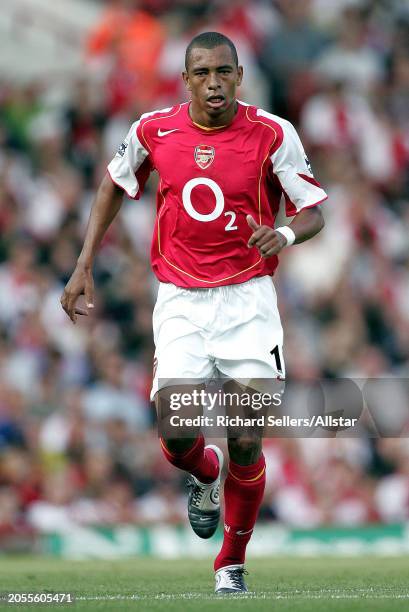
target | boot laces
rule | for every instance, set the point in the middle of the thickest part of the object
(197, 492)
(236, 576)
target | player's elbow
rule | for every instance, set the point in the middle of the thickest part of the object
(321, 223)
(109, 187)
(109, 194)
(319, 220)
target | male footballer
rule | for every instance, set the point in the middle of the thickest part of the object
(223, 167)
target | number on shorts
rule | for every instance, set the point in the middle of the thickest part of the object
(276, 353)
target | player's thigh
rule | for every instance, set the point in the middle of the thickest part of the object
(180, 353)
(252, 347)
(180, 357)
(179, 412)
(181, 364)
(245, 436)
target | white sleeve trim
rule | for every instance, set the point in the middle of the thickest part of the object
(292, 168)
(128, 159)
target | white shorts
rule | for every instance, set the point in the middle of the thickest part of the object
(232, 331)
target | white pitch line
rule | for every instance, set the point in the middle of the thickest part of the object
(296, 594)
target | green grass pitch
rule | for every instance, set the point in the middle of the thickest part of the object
(279, 584)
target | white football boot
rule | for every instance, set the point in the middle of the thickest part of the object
(204, 502)
(230, 579)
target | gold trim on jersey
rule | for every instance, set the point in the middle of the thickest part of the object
(219, 280)
(264, 161)
(208, 129)
(202, 280)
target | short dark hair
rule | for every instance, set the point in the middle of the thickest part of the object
(210, 40)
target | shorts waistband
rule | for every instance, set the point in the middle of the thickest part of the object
(206, 291)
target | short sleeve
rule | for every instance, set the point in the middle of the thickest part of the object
(293, 170)
(130, 167)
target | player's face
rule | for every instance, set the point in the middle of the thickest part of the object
(212, 78)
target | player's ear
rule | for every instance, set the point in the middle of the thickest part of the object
(239, 75)
(185, 78)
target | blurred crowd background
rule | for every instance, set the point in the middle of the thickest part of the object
(78, 443)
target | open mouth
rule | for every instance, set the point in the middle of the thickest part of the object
(215, 101)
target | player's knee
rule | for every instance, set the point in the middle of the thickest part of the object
(177, 445)
(245, 450)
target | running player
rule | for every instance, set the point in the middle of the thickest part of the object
(223, 167)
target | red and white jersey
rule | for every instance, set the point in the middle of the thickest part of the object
(209, 181)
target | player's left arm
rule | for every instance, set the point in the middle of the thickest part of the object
(305, 225)
(302, 194)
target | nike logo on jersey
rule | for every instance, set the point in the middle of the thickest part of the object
(166, 132)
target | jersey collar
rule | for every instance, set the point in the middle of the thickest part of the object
(214, 130)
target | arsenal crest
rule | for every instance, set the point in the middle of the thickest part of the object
(204, 155)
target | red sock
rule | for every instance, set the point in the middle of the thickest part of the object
(243, 494)
(202, 463)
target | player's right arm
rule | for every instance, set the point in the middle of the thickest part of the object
(127, 172)
(106, 205)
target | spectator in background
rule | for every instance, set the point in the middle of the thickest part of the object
(344, 298)
(131, 39)
(350, 58)
(288, 54)
(110, 399)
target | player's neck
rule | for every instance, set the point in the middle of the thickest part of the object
(202, 119)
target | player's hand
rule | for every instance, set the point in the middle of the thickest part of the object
(266, 239)
(80, 283)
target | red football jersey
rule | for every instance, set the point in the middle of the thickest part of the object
(210, 179)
